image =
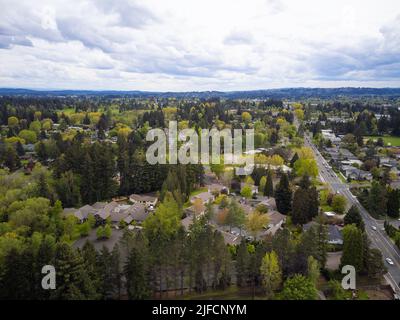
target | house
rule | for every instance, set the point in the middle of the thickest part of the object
(346, 154)
(105, 212)
(148, 200)
(276, 220)
(81, 214)
(99, 205)
(329, 135)
(119, 213)
(353, 173)
(231, 239)
(205, 197)
(136, 212)
(334, 234)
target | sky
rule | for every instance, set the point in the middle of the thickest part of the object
(199, 45)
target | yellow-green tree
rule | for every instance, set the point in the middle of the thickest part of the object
(255, 221)
(271, 273)
(246, 117)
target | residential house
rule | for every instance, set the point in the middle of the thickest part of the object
(106, 212)
(276, 220)
(231, 239)
(334, 234)
(329, 135)
(82, 213)
(136, 212)
(148, 200)
(353, 173)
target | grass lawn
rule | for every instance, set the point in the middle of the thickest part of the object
(388, 140)
(187, 204)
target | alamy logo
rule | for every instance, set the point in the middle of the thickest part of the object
(49, 280)
(349, 280)
(196, 150)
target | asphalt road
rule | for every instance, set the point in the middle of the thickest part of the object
(378, 237)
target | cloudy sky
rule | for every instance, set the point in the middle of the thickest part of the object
(181, 45)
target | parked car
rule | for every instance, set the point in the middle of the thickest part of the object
(388, 260)
(373, 228)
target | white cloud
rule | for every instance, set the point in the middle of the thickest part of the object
(198, 45)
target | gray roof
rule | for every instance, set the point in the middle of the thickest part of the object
(99, 205)
(107, 210)
(334, 233)
(186, 222)
(137, 212)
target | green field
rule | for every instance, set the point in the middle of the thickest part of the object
(388, 140)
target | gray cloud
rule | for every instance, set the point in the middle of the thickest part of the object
(238, 38)
(96, 41)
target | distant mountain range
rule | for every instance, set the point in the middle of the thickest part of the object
(284, 93)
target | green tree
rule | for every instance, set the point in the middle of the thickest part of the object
(353, 216)
(377, 200)
(263, 182)
(137, 277)
(242, 264)
(339, 203)
(306, 167)
(246, 191)
(271, 272)
(393, 203)
(269, 186)
(236, 216)
(283, 195)
(299, 287)
(353, 247)
(313, 268)
(255, 222)
(165, 222)
(73, 282)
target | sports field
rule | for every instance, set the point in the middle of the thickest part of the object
(388, 140)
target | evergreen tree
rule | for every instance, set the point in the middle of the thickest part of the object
(242, 265)
(377, 200)
(73, 283)
(136, 274)
(353, 216)
(269, 186)
(353, 247)
(294, 159)
(283, 195)
(393, 203)
(300, 207)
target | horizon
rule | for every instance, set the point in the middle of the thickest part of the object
(196, 91)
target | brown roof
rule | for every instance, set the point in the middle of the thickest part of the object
(143, 197)
(275, 217)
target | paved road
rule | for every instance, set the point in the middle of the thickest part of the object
(378, 237)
